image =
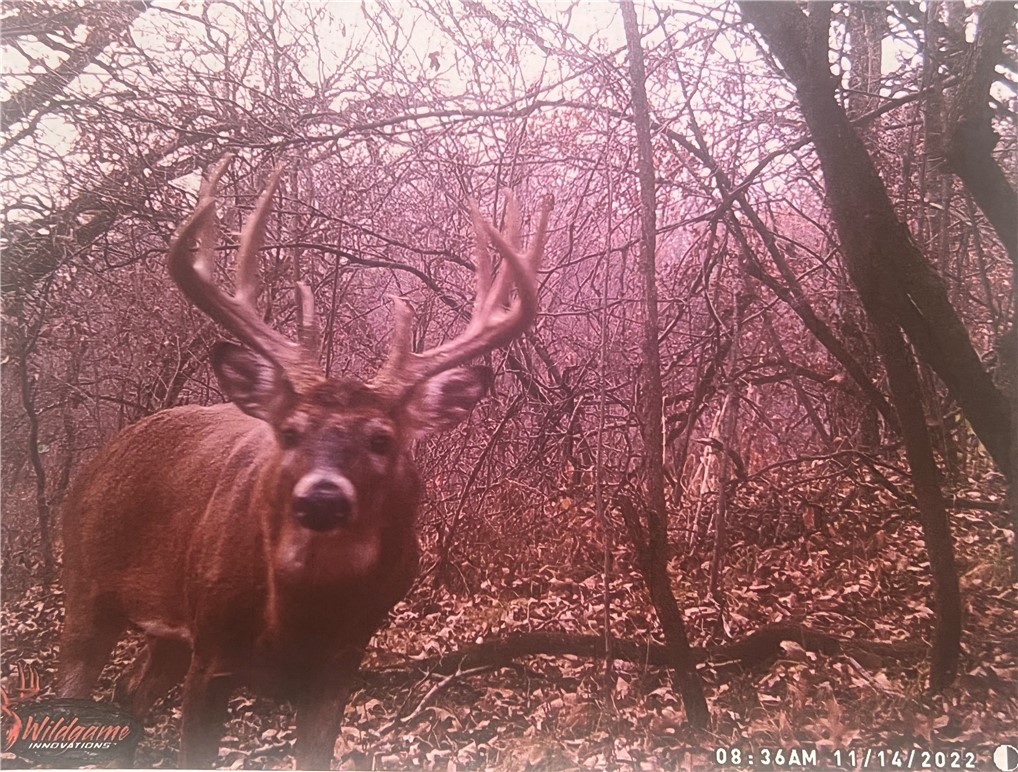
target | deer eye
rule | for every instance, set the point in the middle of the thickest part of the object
(289, 436)
(380, 443)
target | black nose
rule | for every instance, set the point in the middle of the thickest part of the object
(322, 508)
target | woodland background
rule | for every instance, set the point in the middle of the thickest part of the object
(784, 243)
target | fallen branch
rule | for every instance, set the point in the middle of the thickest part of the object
(756, 649)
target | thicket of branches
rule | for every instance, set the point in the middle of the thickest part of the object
(780, 407)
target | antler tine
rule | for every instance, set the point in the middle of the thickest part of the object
(204, 223)
(492, 324)
(307, 324)
(193, 271)
(402, 340)
(513, 221)
(511, 241)
(482, 258)
(522, 268)
(252, 236)
(497, 296)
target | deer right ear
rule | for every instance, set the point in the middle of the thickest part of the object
(443, 401)
(253, 383)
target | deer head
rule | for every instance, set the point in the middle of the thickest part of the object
(338, 439)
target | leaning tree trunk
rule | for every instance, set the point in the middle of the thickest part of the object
(972, 138)
(872, 238)
(895, 283)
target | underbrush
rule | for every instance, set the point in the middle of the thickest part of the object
(858, 579)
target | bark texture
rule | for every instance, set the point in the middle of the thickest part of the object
(654, 562)
(901, 292)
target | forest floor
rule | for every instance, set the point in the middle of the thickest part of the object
(857, 579)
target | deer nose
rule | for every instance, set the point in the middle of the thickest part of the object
(322, 508)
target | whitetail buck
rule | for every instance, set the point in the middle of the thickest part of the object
(264, 542)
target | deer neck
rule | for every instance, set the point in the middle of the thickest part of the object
(332, 579)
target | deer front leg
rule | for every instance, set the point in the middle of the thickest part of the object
(161, 665)
(203, 714)
(90, 633)
(320, 713)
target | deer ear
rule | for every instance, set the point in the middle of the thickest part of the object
(254, 383)
(443, 401)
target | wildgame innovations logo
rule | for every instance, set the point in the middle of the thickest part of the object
(73, 732)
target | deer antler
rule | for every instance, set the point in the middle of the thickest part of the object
(193, 270)
(495, 320)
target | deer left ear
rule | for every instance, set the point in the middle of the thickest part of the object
(443, 401)
(253, 382)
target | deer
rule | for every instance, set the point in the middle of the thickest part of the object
(263, 541)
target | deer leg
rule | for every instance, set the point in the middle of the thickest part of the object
(203, 714)
(320, 714)
(85, 645)
(318, 723)
(162, 665)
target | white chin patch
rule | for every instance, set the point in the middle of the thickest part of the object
(327, 558)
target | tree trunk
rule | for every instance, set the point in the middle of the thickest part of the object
(655, 563)
(876, 245)
(894, 281)
(972, 140)
(107, 21)
(35, 452)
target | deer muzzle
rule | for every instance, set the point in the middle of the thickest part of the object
(324, 502)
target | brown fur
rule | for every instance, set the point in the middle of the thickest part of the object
(265, 542)
(181, 527)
